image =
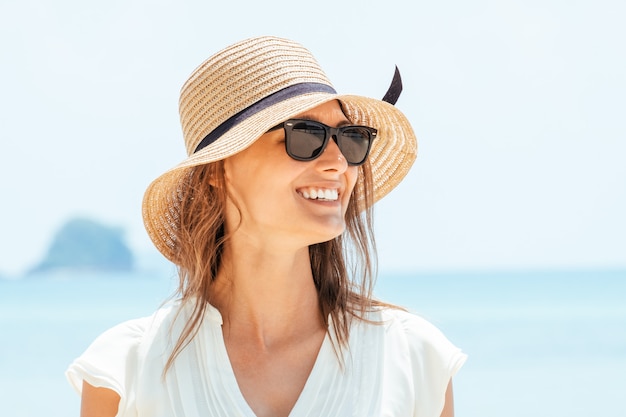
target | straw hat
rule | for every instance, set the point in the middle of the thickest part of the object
(238, 94)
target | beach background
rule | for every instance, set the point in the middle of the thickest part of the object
(508, 233)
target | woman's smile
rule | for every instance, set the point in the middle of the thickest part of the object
(320, 194)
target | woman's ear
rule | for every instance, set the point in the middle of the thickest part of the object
(212, 181)
(216, 176)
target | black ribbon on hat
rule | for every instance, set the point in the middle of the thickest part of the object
(393, 93)
(391, 96)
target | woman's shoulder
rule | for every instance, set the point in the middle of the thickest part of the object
(106, 360)
(410, 324)
(124, 338)
(136, 328)
(423, 340)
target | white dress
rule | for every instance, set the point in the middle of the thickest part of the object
(400, 368)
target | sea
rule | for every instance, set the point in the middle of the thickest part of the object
(540, 343)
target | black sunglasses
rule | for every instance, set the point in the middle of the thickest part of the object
(305, 140)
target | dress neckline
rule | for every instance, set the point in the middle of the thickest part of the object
(227, 373)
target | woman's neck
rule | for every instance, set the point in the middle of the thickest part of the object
(267, 294)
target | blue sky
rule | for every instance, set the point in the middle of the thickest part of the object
(518, 107)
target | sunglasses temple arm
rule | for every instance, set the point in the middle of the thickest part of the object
(393, 93)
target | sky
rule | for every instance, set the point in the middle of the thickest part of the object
(518, 107)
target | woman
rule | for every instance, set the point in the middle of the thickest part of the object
(268, 220)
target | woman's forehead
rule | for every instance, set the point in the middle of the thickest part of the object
(330, 111)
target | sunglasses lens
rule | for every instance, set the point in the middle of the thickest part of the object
(306, 140)
(354, 143)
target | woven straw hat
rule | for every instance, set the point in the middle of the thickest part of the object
(238, 94)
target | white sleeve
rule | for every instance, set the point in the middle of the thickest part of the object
(110, 361)
(434, 359)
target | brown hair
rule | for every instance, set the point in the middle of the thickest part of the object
(343, 268)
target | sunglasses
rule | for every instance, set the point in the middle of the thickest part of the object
(305, 140)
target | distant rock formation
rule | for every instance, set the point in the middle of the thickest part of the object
(86, 245)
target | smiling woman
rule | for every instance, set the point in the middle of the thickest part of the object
(269, 223)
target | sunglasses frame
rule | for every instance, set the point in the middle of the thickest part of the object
(329, 132)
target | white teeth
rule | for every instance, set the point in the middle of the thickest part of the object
(320, 194)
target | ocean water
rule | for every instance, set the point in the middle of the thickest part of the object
(539, 343)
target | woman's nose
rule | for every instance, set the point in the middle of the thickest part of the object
(332, 158)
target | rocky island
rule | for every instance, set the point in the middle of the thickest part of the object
(86, 245)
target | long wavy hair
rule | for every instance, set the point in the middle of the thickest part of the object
(344, 268)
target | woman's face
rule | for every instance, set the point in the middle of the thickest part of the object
(274, 192)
